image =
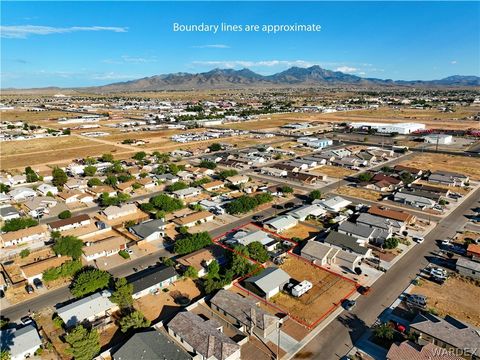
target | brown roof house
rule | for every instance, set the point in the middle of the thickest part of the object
(411, 351)
(200, 259)
(388, 213)
(204, 338)
(194, 219)
(36, 269)
(70, 223)
(31, 234)
(107, 247)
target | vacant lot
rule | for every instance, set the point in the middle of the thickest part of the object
(456, 297)
(163, 303)
(262, 123)
(327, 293)
(38, 145)
(464, 165)
(333, 171)
(301, 231)
(34, 116)
(359, 193)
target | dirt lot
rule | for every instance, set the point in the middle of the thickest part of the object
(431, 118)
(359, 193)
(459, 190)
(464, 165)
(263, 123)
(456, 297)
(461, 237)
(333, 171)
(302, 231)
(33, 116)
(327, 292)
(163, 304)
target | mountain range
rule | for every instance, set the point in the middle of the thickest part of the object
(313, 76)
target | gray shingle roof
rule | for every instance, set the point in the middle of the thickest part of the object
(203, 336)
(345, 242)
(356, 229)
(269, 279)
(19, 341)
(147, 228)
(148, 345)
(241, 309)
(146, 279)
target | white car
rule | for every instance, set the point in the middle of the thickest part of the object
(418, 239)
(129, 251)
(438, 273)
(445, 242)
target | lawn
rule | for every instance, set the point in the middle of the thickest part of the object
(457, 297)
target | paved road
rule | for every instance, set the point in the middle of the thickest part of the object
(340, 335)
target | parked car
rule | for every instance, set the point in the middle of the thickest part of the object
(38, 283)
(364, 290)
(349, 304)
(416, 300)
(438, 272)
(258, 217)
(418, 239)
(29, 288)
(26, 320)
(445, 242)
(129, 251)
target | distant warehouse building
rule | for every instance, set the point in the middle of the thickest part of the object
(441, 139)
(400, 128)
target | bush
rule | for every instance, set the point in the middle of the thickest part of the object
(179, 185)
(18, 224)
(24, 253)
(58, 322)
(67, 269)
(215, 147)
(191, 273)
(315, 195)
(365, 177)
(124, 254)
(167, 261)
(166, 203)
(247, 203)
(208, 164)
(68, 245)
(65, 214)
(391, 243)
(227, 173)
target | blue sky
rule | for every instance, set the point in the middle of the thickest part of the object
(91, 43)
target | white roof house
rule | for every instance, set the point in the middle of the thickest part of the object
(281, 223)
(44, 189)
(335, 203)
(22, 193)
(20, 343)
(114, 212)
(244, 238)
(186, 193)
(305, 211)
(88, 308)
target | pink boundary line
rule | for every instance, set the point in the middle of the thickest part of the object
(237, 281)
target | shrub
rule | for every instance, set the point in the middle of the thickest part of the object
(192, 242)
(124, 254)
(67, 269)
(65, 214)
(24, 253)
(18, 224)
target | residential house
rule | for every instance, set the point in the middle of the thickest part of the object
(71, 223)
(324, 254)
(20, 343)
(69, 197)
(147, 183)
(468, 268)
(126, 187)
(306, 211)
(382, 223)
(194, 219)
(411, 350)
(430, 188)
(238, 179)
(268, 283)
(473, 250)
(45, 189)
(8, 212)
(115, 212)
(387, 213)
(347, 243)
(40, 206)
(335, 204)
(35, 270)
(281, 223)
(305, 178)
(213, 185)
(363, 233)
(152, 280)
(149, 344)
(22, 194)
(203, 338)
(244, 238)
(98, 191)
(273, 171)
(448, 178)
(149, 230)
(187, 193)
(168, 178)
(91, 308)
(31, 234)
(107, 247)
(76, 184)
(200, 259)
(448, 333)
(244, 312)
(411, 170)
(415, 198)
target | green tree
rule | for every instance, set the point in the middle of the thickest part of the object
(287, 190)
(139, 156)
(90, 160)
(365, 177)
(161, 157)
(60, 178)
(24, 253)
(69, 246)
(84, 344)
(111, 180)
(18, 224)
(4, 188)
(383, 331)
(215, 147)
(107, 158)
(406, 177)
(89, 170)
(179, 185)
(122, 296)
(214, 270)
(207, 164)
(5, 355)
(227, 173)
(167, 261)
(89, 281)
(31, 175)
(391, 243)
(66, 270)
(192, 242)
(94, 182)
(66, 214)
(166, 203)
(134, 320)
(191, 273)
(315, 195)
(257, 252)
